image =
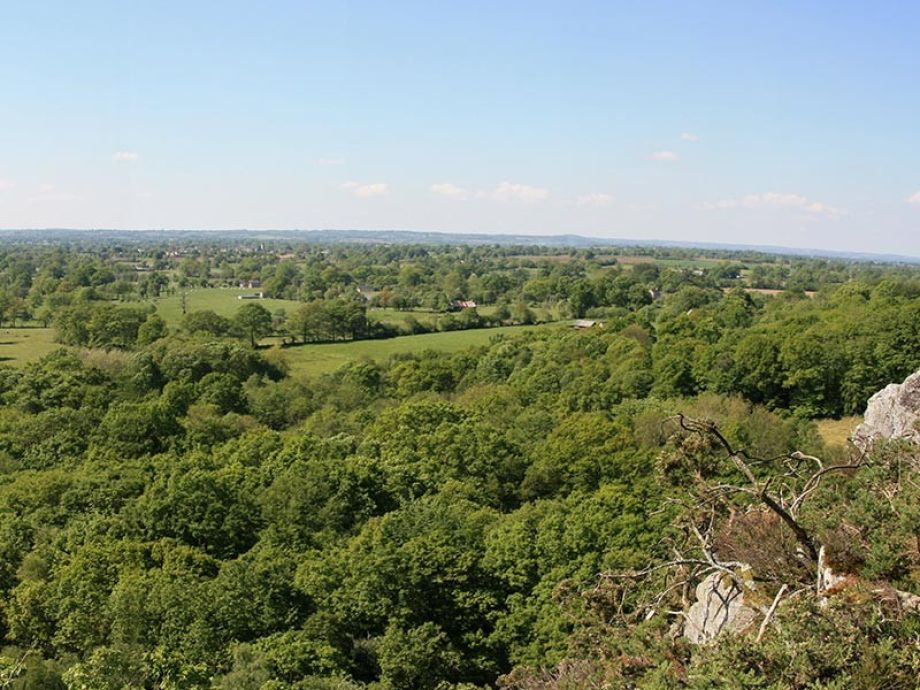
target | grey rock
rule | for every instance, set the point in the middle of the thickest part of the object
(719, 608)
(892, 414)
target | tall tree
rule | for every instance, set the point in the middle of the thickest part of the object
(254, 320)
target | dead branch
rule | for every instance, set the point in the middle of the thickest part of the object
(781, 484)
(772, 610)
(760, 489)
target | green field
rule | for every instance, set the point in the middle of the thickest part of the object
(224, 301)
(313, 360)
(19, 346)
(698, 262)
(399, 318)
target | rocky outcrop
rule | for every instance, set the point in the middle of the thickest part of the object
(719, 607)
(892, 414)
(731, 602)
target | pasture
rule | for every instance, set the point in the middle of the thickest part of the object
(224, 301)
(19, 346)
(313, 360)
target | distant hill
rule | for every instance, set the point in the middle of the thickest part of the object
(51, 235)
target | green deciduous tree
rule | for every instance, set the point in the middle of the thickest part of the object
(254, 320)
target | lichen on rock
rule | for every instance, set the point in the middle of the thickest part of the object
(719, 607)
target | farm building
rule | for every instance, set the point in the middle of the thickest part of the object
(252, 295)
(458, 304)
(585, 324)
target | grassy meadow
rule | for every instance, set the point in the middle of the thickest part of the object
(19, 346)
(225, 301)
(313, 360)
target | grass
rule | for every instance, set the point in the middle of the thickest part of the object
(399, 318)
(768, 291)
(699, 262)
(19, 346)
(313, 360)
(222, 301)
(836, 432)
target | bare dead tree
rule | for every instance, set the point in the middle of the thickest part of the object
(780, 485)
(740, 512)
(794, 487)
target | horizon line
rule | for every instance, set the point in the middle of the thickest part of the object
(585, 240)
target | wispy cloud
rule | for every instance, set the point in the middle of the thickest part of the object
(450, 191)
(665, 156)
(776, 200)
(913, 199)
(369, 189)
(330, 161)
(688, 136)
(49, 193)
(514, 191)
(125, 156)
(5, 184)
(594, 199)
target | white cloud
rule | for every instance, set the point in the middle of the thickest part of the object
(687, 136)
(594, 199)
(776, 200)
(5, 184)
(365, 190)
(48, 192)
(667, 156)
(513, 191)
(330, 161)
(913, 199)
(451, 191)
(125, 156)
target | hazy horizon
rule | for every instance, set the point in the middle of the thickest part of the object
(790, 126)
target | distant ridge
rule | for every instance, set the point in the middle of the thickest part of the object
(426, 237)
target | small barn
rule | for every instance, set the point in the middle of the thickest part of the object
(458, 304)
(585, 324)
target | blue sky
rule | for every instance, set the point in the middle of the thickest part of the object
(790, 123)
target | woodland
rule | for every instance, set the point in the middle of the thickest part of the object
(181, 506)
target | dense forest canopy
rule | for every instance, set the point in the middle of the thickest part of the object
(182, 507)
